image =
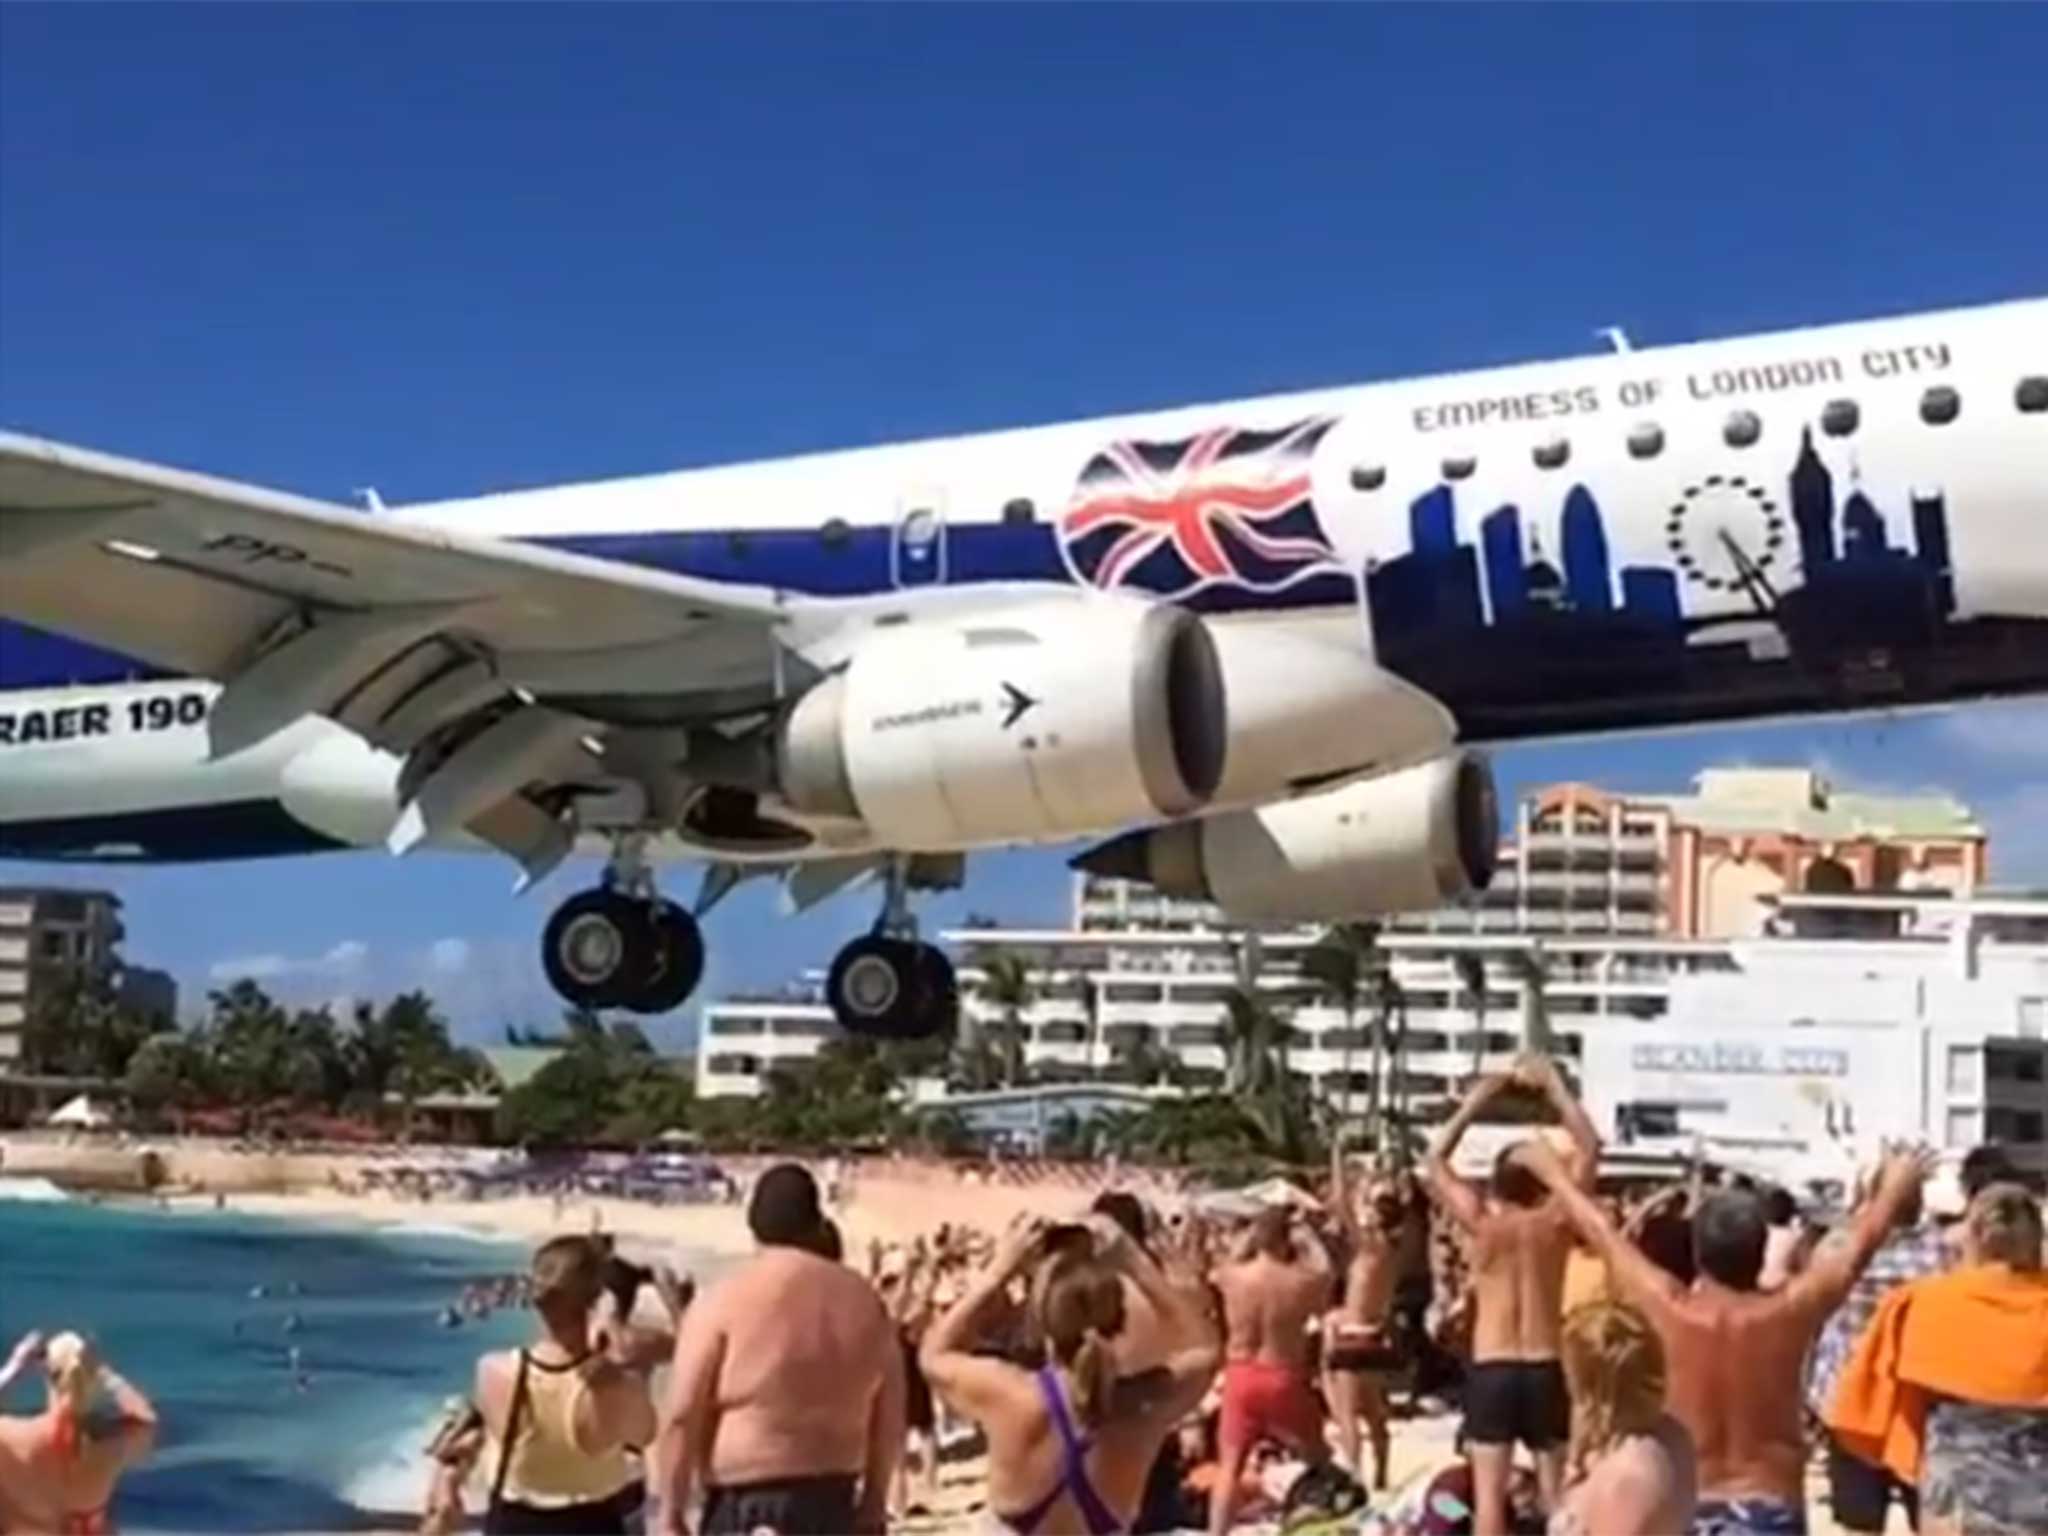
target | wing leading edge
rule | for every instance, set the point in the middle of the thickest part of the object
(441, 648)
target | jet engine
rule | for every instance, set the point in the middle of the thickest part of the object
(1309, 708)
(1401, 842)
(1033, 722)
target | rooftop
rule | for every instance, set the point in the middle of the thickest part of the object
(1801, 801)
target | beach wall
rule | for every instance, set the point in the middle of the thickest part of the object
(125, 1165)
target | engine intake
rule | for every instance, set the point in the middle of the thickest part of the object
(1405, 841)
(1036, 722)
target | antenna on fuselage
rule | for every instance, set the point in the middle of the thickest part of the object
(1615, 337)
(371, 499)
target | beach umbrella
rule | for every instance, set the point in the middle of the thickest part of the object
(82, 1112)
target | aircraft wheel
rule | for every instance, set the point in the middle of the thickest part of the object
(891, 989)
(677, 960)
(598, 950)
(939, 992)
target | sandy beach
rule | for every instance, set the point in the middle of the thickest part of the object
(880, 1200)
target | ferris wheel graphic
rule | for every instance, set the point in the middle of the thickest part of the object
(1726, 533)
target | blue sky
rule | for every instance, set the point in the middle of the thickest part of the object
(444, 249)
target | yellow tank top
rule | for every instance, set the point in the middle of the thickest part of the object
(547, 1468)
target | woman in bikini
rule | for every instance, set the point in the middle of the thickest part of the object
(59, 1469)
(1359, 1349)
(1630, 1469)
(1070, 1444)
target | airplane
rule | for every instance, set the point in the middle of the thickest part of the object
(1250, 650)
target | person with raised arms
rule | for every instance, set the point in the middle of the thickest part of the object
(1736, 1354)
(1519, 1240)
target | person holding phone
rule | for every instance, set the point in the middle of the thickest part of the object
(1072, 1442)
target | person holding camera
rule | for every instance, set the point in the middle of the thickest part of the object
(1072, 1442)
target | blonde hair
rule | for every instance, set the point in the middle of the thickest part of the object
(2004, 1227)
(1080, 1308)
(1614, 1366)
(73, 1369)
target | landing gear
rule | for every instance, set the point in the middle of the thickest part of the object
(888, 985)
(621, 946)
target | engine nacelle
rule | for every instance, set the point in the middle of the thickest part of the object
(1405, 841)
(1033, 722)
(1309, 707)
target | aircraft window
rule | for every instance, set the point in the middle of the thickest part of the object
(2032, 394)
(1019, 510)
(1368, 477)
(1839, 418)
(737, 542)
(1553, 454)
(1940, 406)
(1742, 429)
(1646, 441)
(1460, 468)
(836, 532)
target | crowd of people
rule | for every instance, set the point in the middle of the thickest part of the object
(1669, 1362)
(1677, 1359)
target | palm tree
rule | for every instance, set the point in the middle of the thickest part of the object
(1531, 968)
(1005, 985)
(1391, 1006)
(1091, 1010)
(1341, 964)
(1141, 1059)
(1471, 971)
(1259, 1084)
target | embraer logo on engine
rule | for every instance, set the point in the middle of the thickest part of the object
(932, 713)
(1016, 704)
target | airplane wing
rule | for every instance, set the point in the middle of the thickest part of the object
(465, 655)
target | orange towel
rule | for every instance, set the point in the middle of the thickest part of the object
(1979, 1334)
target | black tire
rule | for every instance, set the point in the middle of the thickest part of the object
(676, 960)
(597, 949)
(873, 987)
(891, 989)
(938, 995)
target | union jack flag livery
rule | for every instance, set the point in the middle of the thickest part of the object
(1227, 507)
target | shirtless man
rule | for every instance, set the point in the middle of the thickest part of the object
(788, 1386)
(1736, 1355)
(1358, 1343)
(1278, 1279)
(1518, 1241)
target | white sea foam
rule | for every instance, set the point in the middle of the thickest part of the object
(34, 1191)
(393, 1479)
(450, 1231)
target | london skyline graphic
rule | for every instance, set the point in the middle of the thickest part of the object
(1776, 595)
(1442, 585)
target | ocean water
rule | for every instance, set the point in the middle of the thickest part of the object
(167, 1296)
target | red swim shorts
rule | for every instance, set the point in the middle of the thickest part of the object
(1263, 1400)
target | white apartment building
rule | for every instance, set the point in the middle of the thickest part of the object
(1857, 1017)
(48, 935)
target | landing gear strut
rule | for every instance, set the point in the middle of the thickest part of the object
(887, 984)
(622, 945)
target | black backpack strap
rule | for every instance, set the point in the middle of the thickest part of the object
(511, 1438)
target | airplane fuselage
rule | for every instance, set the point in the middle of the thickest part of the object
(1840, 518)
